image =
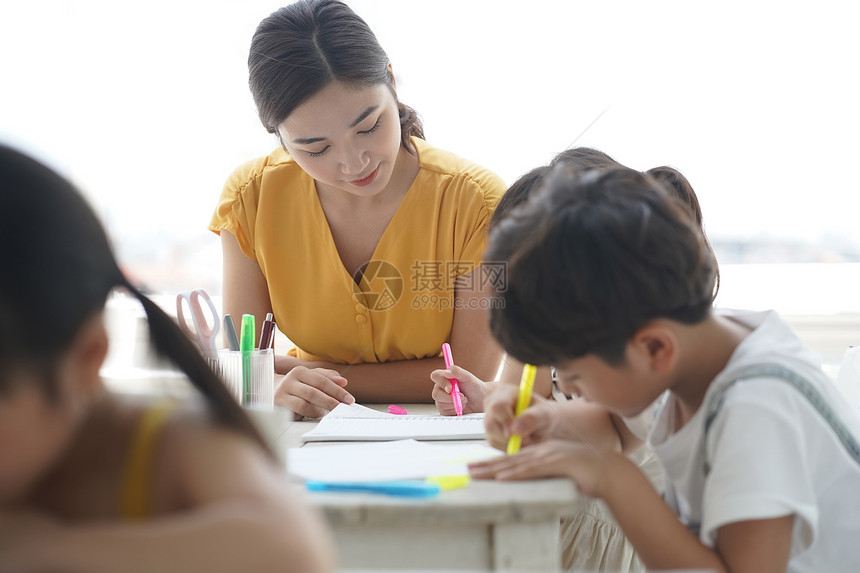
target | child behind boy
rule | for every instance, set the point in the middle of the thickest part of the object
(92, 482)
(591, 540)
(611, 280)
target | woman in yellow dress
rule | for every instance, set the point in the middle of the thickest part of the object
(361, 238)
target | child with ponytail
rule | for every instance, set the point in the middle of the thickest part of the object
(91, 481)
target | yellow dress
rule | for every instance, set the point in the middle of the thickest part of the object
(403, 306)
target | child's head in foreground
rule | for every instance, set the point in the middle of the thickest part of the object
(592, 258)
(58, 269)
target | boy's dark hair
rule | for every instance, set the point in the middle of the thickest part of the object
(58, 270)
(301, 48)
(592, 258)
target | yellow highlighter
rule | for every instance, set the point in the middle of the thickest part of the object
(527, 382)
(446, 483)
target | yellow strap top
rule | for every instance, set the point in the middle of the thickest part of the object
(136, 486)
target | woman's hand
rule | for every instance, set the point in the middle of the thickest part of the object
(586, 466)
(536, 423)
(312, 392)
(472, 390)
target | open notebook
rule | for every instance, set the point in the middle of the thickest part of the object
(352, 422)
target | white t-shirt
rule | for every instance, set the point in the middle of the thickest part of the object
(771, 454)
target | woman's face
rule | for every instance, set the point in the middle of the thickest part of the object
(346, 138)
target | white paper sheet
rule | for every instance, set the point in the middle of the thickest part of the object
(380, 461)
(353, 422)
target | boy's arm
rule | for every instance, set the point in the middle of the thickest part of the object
(512, 372)
(663, 542)
(659, 538)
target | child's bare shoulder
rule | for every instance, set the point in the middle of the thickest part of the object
(209, 460)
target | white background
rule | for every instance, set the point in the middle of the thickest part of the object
(146, 106)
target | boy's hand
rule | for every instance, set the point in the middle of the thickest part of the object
(535, 424)
(554, 458)
(472, 390)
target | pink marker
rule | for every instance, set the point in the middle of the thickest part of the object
(455, 385)
(393, 409)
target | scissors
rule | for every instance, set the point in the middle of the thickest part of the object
(203, 333)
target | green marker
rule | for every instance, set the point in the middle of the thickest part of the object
(246, 345)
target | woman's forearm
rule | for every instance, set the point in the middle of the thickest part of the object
(396, 381)
(399, 381)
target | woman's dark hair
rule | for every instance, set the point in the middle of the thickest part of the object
(592, 258)
(58, 270)
(678, 185)
(301, 48)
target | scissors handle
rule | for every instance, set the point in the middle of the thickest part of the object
(202, 333)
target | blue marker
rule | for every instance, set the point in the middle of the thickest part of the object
(400, 488)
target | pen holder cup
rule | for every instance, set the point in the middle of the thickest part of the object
(249, 376)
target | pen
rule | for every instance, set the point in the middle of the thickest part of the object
(230, 332)
(455, 384)
(400, 488)
(246, 345)
(527, 382)
(267, 335)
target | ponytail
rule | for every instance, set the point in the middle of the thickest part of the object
(66, 245)
(169, 342)
(410, 125)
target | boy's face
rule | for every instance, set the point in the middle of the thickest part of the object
(626, 389)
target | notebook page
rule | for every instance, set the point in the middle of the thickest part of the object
(404, 459)
(353, 422)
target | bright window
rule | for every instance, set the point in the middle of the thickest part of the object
(146, 106)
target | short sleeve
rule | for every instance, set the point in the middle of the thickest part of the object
(236, 210)
(490, 188)
(760, 465)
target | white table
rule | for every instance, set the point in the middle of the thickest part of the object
(487, 526)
